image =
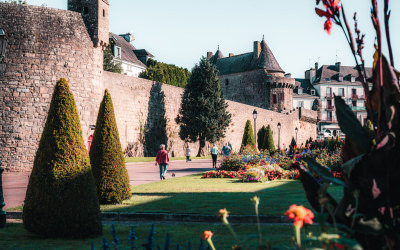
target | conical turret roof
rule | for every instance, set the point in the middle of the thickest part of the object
(218, 55)
(267, 59)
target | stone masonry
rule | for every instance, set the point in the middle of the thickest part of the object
(46, 44)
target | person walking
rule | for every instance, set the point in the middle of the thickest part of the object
(162, 159)
(188, 151)
(226, 149)
(214, 154)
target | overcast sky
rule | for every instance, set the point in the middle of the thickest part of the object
(181, 31)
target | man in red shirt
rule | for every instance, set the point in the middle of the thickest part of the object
(162, 160)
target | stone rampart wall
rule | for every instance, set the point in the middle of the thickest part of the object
(46, 44)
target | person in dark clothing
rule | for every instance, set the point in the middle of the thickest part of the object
(214, 154)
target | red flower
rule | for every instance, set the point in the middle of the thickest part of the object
(328, 26)
(332, 11)
(300, 215)
(206, 235)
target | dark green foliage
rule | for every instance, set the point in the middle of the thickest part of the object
(248, 136)
(203, 115)
(293, 142)
(260, 137)
(156, 123)
(108, 63)
(107, 158)
(166, 73)
(268, 143)
(61, 198)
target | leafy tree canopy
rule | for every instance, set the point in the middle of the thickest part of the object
(108, 61)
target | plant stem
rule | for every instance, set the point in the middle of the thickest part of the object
(211, 243)
(298, 237)
(258, 225)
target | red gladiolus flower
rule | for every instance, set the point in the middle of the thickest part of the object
(300, 215)
(328, 26)
(206, 235)
(332, 12)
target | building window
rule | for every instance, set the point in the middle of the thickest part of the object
(299, 91)
(329, 115)
(300, 104)
(340, 78)
(352, 79)
(312, 92)
(240, 81)
(226, 82)
(329, 104)
(104, 12)
(274, 101)
(328, 92)
(117, 52)
(354, 103)
(341, 91)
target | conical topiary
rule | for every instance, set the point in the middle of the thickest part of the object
(260, 137)
(248, 137)
(268, 143)
(61, 198)
(293, 142)
(107, 158)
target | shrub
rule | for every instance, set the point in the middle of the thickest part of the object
(260, 137)
(248, 137)
(268, 143)
(232, 163)
(253, 175)
(107, 158)
(61, 197)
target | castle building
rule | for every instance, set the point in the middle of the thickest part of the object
(320, 85)
(133, 61)
(255, 78)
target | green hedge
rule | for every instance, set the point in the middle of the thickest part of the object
(61, 197)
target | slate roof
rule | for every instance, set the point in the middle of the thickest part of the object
(127, 50)
(245, 62)
(142, 52)
(267, 59)
(305, 85)
(330, 74)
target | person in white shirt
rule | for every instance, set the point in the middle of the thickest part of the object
(188, 151)
(214, 154)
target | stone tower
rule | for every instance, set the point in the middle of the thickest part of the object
(95, 16)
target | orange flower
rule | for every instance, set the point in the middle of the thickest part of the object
(332, 11)
(300, 215)
(328, 26)
(206, 235)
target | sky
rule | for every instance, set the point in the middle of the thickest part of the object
(180, 32)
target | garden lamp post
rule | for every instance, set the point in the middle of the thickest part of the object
(3, 44)
(296, 130)
(2, 204)
(279, 135)
(255, 127)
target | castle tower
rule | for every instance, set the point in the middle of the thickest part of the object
(95, 16)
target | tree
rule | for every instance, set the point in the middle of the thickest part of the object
(107, 158)
(260, 137)
(269, 141)
(248, 137)
(109, 64)
(61, 198)
(203, 114)
(165, 73)
(293, 142)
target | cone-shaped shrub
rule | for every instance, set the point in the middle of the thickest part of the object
(107, 158)
(248, 137)
(269, 141)
(260, 137)
(61, 198)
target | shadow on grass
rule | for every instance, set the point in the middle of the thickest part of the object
(275, 198)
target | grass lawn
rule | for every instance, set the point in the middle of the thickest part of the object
(147, 159)
(194, 195)
(14, 236)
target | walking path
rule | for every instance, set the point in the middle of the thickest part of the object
(15, 184)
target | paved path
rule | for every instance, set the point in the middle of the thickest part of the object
(15, 184)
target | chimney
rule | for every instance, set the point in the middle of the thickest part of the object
(337, 64)
(231, 54)
(209, 55)
(256, 50)
(316, 66)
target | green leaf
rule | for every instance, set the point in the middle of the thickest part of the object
(349, 165)
(324, 172)
(350, 125)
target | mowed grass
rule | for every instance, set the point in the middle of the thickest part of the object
(195, 195)
(149, 159)
(14, 236)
